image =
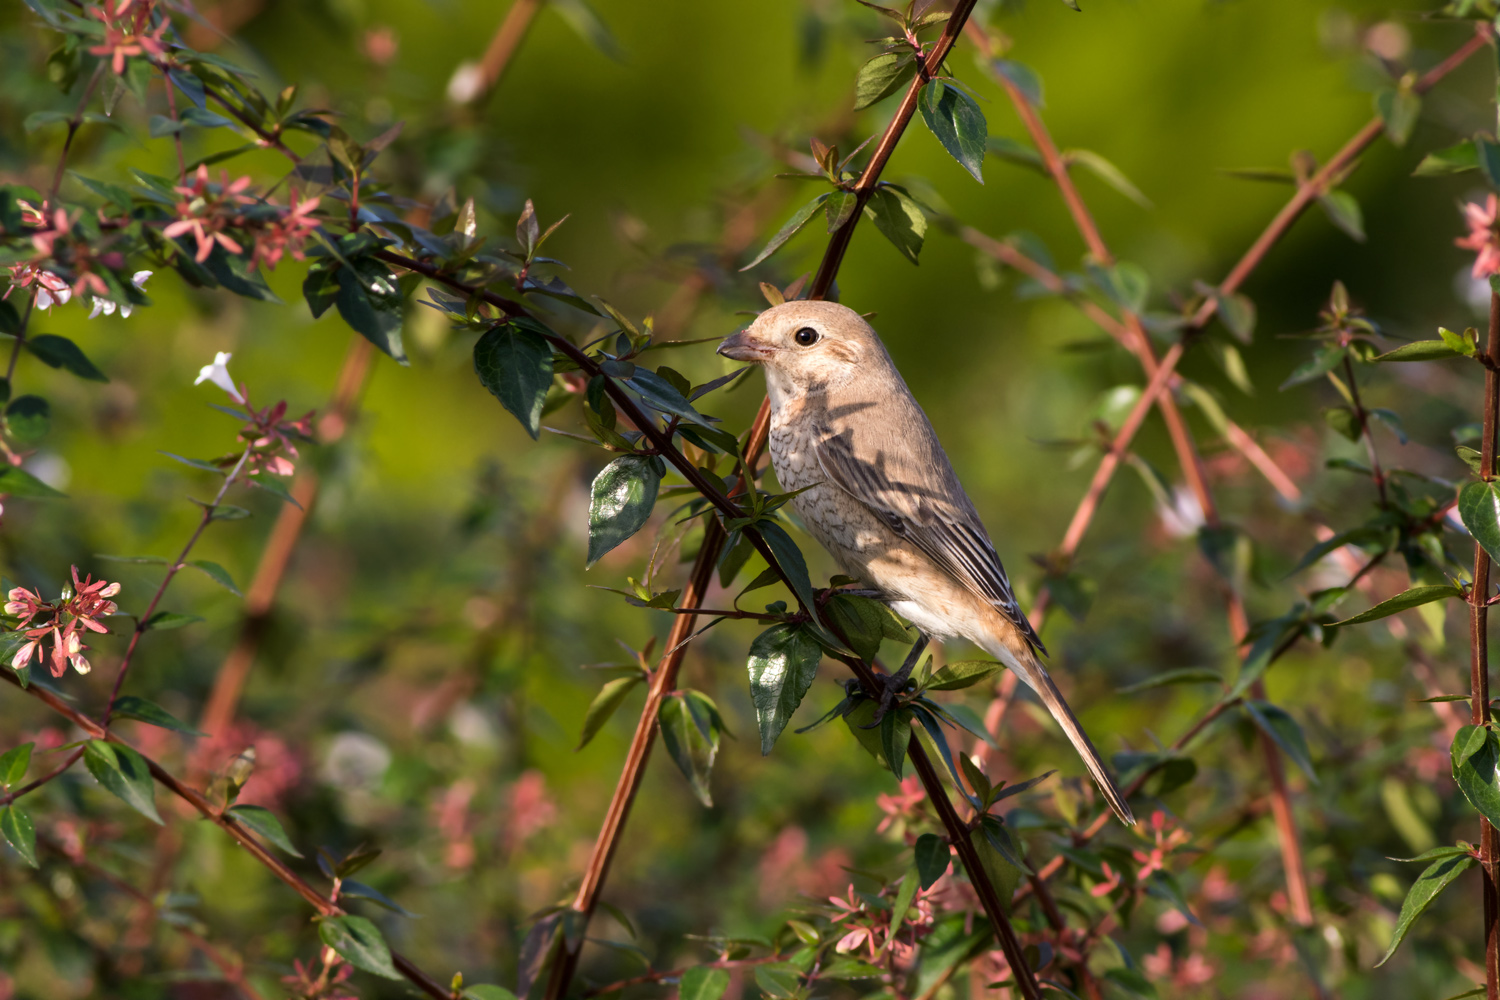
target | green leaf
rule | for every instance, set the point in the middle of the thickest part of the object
(1022, 78)
(1017, 152)
(1423, 891)
(1412, 598)
(1324, 360)
(702, 982)
(620, 501)
(881, 77)
(660, 394)
(959, 125)
(789, 558)
(359, 942)
(1108, 173)
(895, 737)
(124, 773)
(486, 991)
(908, 892)
(515, 365)
(1284, 731)
(1343, 211)
(783, 662)
(1479, 507)
(1182, 675)
(130, 707)
(589, 26)
(17, 482)
(839, 207)
(692, 742)
(19, 832)
(779, 980)
(166, 620)
(1003, 874)
(264, 824)
(1476, 769)
(794, 225)
(1453, 160)
(865, 622)
(963, 673)
(1399, 108)
(610, 697)
(1419, 350)
(349, 888)
(28, 418)
(218, 574)
(13, 765)
(899, 219)
(933, 857)
(369, 300)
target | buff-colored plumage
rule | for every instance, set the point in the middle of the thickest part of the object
(884, 499)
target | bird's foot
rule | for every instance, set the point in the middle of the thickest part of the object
(896, 683)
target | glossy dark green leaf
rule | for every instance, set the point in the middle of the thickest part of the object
(1479, 506)
(933, 857)
(130, 707)
(895, 737)
(515, 364)
(1412, 598)
(963, 673)
(28, 418)
(263, 823)
(839, 208)
(865, 623)
(899, 219)
(610, 697)
(955, 118)
(14, 763)
(1476, 769)
(620, 501)
(799, 218)
(124, 773)
(369, 300)
(691, 744)
(660, 394)
(783, 662)
(1428, 886)
(789, 558)
(359, 942)
(1284, 731)
(881, 77)
(702, 982)
(19, 832)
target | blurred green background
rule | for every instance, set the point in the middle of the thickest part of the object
(420, 683)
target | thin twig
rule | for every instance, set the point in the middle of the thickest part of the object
(226, 822)
(1479, 673)
(144, 621)
(33, 785)
(73, 125)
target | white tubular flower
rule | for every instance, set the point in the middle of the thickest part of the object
(218, 374)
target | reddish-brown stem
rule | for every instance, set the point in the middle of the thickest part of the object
(958, 833)
(1479, 667)
(33, 785)
(73, 125)
(226, 822)
(144, 622)
(665, 677)
(502, 47)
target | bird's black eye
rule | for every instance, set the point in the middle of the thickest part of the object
(806, 337)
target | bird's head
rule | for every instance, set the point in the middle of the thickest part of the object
(809, 346)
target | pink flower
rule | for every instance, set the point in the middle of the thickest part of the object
(901, 806)
(530, 809)
(1110, 884)
(125, 33)
(63, 622)
(1482, 238)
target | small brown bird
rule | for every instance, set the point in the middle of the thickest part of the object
(884, 499)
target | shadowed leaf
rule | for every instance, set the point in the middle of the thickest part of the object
(359, 942)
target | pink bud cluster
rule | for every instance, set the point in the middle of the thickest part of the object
(62, 623)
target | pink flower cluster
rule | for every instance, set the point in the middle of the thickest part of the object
(128, 32)
(869, 927)
(207, 210)
(63, 622)
(1483, 238)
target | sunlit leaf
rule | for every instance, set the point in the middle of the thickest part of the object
(124, 773)
(359, 942)
(783, 662)
(621, 499)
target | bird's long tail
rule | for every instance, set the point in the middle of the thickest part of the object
(1035, 674)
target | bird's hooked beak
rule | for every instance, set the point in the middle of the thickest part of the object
(742, 346)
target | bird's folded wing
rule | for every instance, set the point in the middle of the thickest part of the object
(921, 507)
